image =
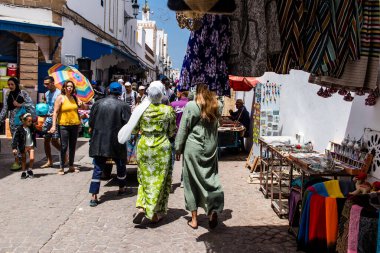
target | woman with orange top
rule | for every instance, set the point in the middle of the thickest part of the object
(67, 117)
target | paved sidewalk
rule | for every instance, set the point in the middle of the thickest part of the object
(50, 213)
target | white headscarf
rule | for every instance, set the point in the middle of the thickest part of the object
(155, 92)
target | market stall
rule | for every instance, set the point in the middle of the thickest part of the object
(290, 173)
(229, 133)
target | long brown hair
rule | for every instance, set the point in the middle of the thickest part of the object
(63, 91)
(208, 103)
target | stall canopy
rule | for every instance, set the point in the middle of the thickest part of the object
(240, 83)
(95, 50)
(32, 27)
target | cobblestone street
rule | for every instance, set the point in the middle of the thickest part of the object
(50, 213)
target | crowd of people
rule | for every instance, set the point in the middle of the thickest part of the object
(169, 123)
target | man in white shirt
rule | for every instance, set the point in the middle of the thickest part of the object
(121, 81)
(130, 96)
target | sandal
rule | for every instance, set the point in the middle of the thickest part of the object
(73, 170)
(61, 172)
(189, 224)
(213, 222)
(138, 217)
(47, 165)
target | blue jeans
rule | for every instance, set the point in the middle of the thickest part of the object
(99, 164)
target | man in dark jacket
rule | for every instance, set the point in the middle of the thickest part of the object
(107, 117)
(241, 115)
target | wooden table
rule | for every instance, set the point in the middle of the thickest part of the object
(270, 158)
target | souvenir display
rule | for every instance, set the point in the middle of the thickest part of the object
(268, 119)
(371, 140)
(256, 123)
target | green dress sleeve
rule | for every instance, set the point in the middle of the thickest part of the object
(188, 121)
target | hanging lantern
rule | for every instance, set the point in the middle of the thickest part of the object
(360, 92)
(320, 92)
(342, 92)
(192, 23)
(348, 97)
(333, 90)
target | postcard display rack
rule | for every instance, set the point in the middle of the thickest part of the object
(266, 110)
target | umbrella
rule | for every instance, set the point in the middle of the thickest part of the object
(62, 73)
(239, 83)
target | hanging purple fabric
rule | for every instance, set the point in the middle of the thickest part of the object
(353, 231)
(206, 56)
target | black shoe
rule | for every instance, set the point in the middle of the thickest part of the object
(138, 217)
(24, 175)
(30, 173)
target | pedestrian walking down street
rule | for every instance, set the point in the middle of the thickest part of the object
(130, 96)
(178, 107)
(53, 138)
(154, 154)
(18, 102)
(24, 142)
(107, 117)
(141, 95)
(67, 116)
(123, 90)
(197, 140)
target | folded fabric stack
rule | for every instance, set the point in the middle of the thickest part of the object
(359, 228)
(321, 209)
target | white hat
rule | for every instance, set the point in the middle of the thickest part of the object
(128, 84)
(121, 81)
(141, 87)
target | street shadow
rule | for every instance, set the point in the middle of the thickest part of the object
(113, 196)
(113, 182)
(38, 175)
(203, 218)
(172, 215)
(175, 187)
(263, 239)
(232, 154)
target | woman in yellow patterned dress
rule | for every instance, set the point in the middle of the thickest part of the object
(157, 125)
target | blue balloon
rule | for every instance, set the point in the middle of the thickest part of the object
(42, 109)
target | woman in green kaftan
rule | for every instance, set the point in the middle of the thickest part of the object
(157, 125)
(197, 140)
(154, 159)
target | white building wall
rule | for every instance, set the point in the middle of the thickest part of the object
(362, 117)
(149, 39)
(72, 45)
(36, 14)
(90, 10)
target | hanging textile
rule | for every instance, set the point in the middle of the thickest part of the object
(360, 74)
(318, 36)
(205, 59)
(321, 208)
(353, 230)
(203, 6)
(359, 225)
(255, 37)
